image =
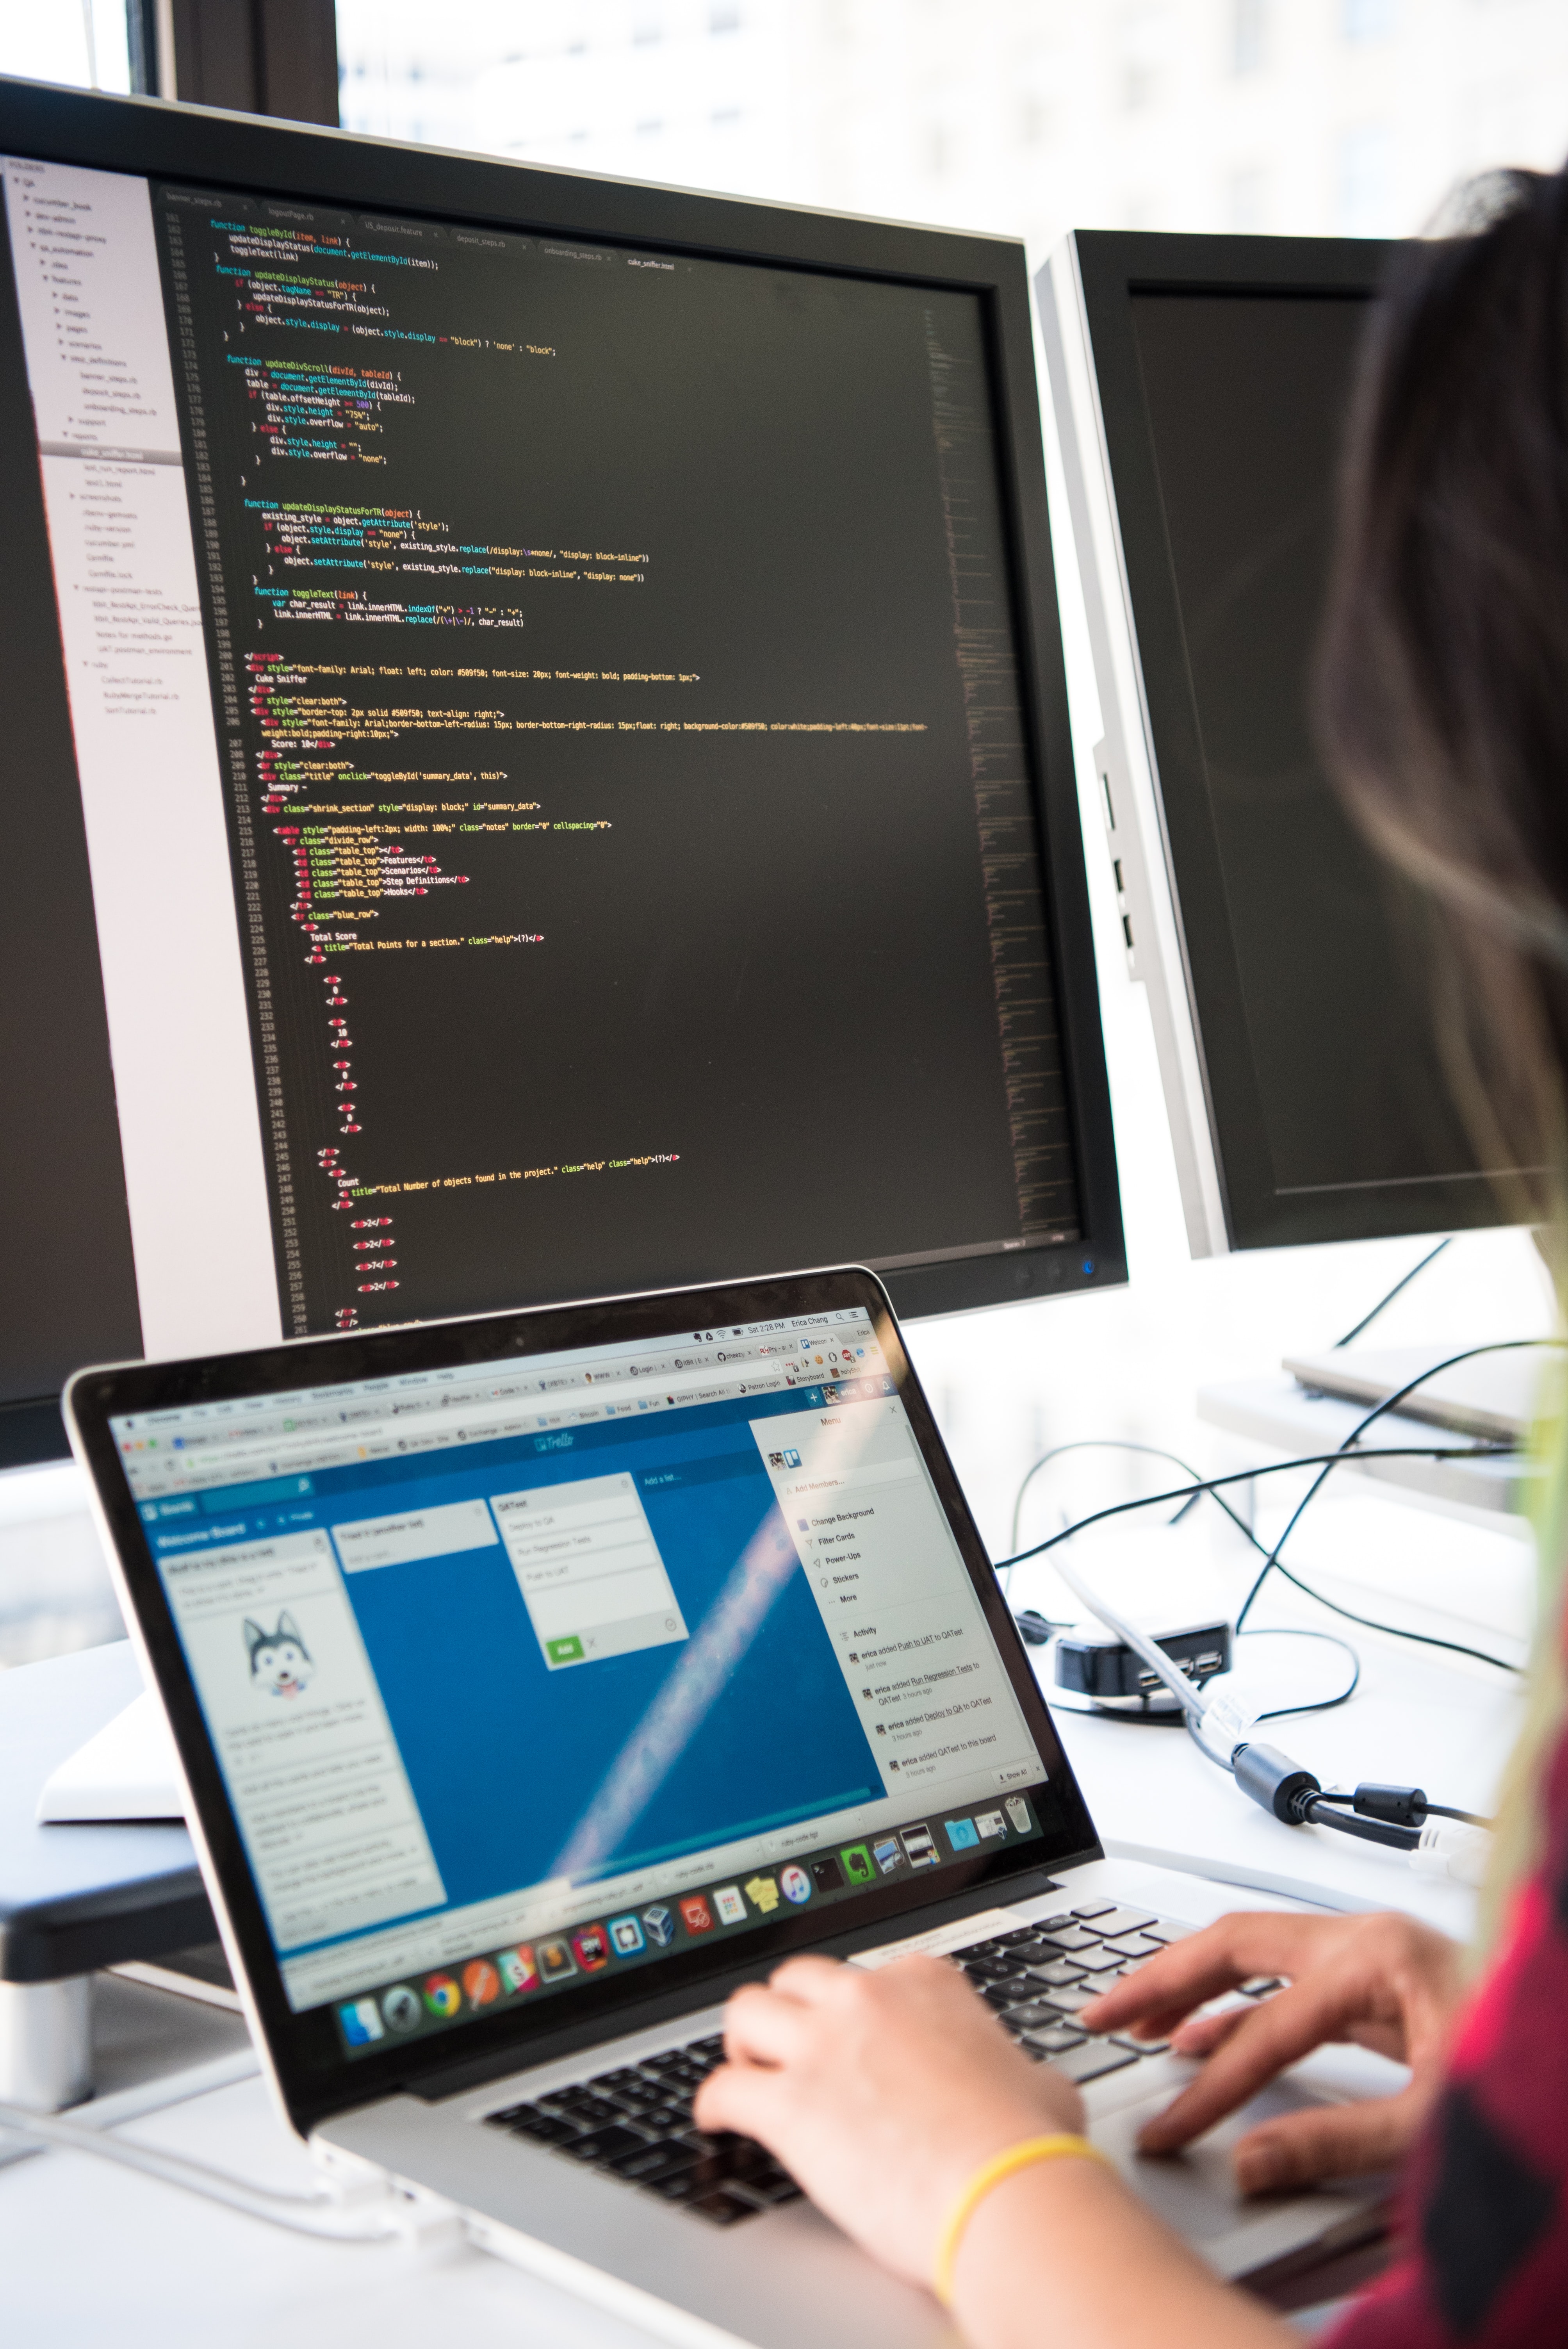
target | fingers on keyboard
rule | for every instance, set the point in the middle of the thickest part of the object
(635, 2124)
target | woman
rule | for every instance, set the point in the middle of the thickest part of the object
(892, 2096)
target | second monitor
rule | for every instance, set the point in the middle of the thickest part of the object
(1201, 385)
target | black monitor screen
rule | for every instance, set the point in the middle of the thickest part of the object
(588, 677)
(628, 761)
(1308, 965)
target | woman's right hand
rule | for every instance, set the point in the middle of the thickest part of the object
(1383, 1981)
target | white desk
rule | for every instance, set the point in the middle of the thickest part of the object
(1411, 1722)
(90, 2252)
(93, 2254)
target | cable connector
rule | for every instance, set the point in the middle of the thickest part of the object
(1448, 1847)
(357, 2217)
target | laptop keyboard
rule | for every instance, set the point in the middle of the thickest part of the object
(636, 2123)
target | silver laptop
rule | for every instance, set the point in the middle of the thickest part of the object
(537, 1678)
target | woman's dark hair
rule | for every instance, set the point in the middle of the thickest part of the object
(1442, 697)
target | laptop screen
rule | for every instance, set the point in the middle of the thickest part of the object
(521, 1674)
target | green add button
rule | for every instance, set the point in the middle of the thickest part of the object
(564, 1651)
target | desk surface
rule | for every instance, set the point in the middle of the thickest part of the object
(90, 2252)
(1413, 1721)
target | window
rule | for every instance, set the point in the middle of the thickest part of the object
(1143, 41)
(1246, 205)
(1365, 21)
(1364, 191)
(1249, 36)
(83, 43)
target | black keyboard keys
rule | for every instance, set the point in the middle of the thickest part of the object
(542, 2128)
(651, 2164)
(599, 2147)
(722, 2210)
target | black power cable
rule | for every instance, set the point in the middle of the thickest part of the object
(1397, 1290)
(1280, 1467)
(1389, 1816)
(1389, 1403)
(1037, 1627)
(1325, 1463)
(1119, 1444)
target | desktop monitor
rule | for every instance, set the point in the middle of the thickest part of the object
(1201, 385)
(538, 759)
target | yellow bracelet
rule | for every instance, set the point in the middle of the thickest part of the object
(989, 2173)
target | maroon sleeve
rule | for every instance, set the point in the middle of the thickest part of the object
(1484, 2252)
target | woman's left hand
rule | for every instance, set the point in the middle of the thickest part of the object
(882, 2092)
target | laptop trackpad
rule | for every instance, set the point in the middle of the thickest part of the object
(1195, 2192)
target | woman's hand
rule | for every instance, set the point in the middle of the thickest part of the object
(882, 2092)
(1383, 1981)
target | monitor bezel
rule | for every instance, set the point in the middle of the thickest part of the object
(206, 147)
(313, 2076)
(1114, 268)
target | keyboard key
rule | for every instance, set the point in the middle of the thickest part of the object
(1134, 1946)
(662, 2120)
(1011, 1940)
(504, 2118)
(599, 2147)
(1071, 1996)
(544, 2129)
(1053, 1924)
(648, 2165)
(608, 2083)
(1053, 1971)
(1054, 2039)
(1105, 1961)
(1141, 2047)
(1033, 2015)
(1168, 1933)
(1092, 1909)
(1003, 1994)
(780, 2188)
(1112, 1921)
(722, 2209)
(680, 2186)
(713, 2047)
(576, 2104)
(1093, 2058)
(1067, 1937)
(736, 2156)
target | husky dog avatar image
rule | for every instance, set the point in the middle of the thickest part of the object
(279, 1661)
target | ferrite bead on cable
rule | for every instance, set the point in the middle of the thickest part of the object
(1404, 1807)
(1274, 1782)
